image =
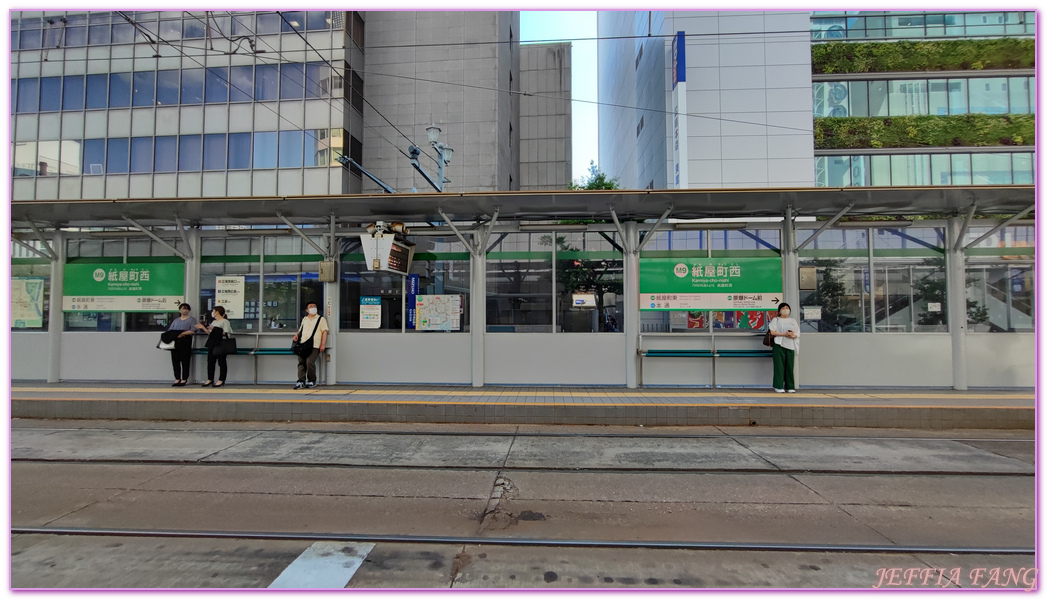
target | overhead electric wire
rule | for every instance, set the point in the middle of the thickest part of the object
(349, 83)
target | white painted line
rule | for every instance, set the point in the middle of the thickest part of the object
(324, 565)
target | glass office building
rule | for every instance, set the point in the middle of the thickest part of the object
(133, 104)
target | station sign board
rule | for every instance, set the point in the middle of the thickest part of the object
(130, 287)
(710, 283)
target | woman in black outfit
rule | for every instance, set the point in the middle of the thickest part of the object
(183, 350)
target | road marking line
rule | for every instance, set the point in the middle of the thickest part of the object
(622, 404)
(324, 565)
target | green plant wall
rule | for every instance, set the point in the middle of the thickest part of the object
(925, 130)
(948, 55)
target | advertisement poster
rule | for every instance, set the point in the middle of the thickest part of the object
(229, 292)
(719, 284)
(27, 302)
(370, 312)
(133, 287)
(438, 313)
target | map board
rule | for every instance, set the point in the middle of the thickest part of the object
(27, 302)
(438, 313)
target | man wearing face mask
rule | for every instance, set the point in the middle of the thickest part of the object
(313, 331)
(786, 332)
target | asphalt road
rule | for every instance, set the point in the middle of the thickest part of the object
(449, 506)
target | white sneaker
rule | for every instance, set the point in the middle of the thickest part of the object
(791, 391)
(779, 391)
(310, 384)
(299, 385)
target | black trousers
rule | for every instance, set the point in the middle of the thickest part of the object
(307, 366)
(181, 356)
(222, 365)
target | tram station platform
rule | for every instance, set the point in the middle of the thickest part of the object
(648, 407)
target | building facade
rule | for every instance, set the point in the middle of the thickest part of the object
(545, 116)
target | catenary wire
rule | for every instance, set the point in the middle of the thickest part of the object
(362, 96)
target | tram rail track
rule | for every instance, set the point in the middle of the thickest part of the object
(520, 542)
(540, 434)
(521, 469)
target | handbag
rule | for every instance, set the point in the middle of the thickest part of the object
(226, 347)
(768, 339)
(165, 345)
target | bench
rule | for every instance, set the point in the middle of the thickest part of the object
(256, 352)
(713, 354)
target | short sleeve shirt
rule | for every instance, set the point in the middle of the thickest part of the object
(308, 325)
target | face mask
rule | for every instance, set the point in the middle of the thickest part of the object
(311, 310)
(784, 312)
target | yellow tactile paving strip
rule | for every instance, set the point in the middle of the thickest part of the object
(510, 397)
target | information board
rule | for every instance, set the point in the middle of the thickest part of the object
(438, 313)
(229, 293)
(370, 312)
(131, 287)
(27, 302)
(710, 283)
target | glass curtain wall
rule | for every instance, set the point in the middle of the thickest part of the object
(1001, 279)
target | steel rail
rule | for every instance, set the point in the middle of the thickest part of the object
(513, 469)
(551, 435)
(540, 542)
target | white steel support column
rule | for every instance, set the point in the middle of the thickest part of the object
(56, 318)
(332, 310)
(956, 300)
(192, 272)
(631, 289)
(790, 262)
(478, 305)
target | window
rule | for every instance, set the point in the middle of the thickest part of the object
(316, 141)
(73, 93)
(290, 150)
(957, 96)
(318, 82)
(98, 35)
(171, 30)
(189, 156)
(269, 23)
(28, 95)
(165, 159)
(266, 82)
(47, 158)
(356, 150)
(116, 158)
(243, 24)
(144, 89)
(239, 150)
(50, 94)
(193, 28)
(265, 150)
(991, 169)
(94, 157)
(192, 86)
(961, 169)
(123, 33)
(519, 283)
(24, 159)
(911, 169)
(989, 95)
(357, 94)
(589, 264)
(840, 288)
(907, 97)
(1001, 279)
(75, 36)
(119, 90)
(938, 96)
(878, 99)
(216, 88)
(318, 19)
(241, 83)
(1018, 87)
(357, 31)
(167, 87)
(214, 152)
(141, 155)
(292, 81)
(292, 21)
(1023, 167)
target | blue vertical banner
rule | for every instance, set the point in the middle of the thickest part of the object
(414, 282)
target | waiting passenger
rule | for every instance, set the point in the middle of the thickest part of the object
(218, 327)
(786, 332)
(182, 354)
(316, 325)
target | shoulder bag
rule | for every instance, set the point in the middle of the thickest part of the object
(768, 338)
(304, 349)
(226, 346)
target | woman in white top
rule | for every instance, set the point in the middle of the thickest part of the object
(786, 332)
(226, 327)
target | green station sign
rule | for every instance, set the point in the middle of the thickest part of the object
(710, 283)
(133, 287)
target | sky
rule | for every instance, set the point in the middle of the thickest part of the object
(563, 25)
